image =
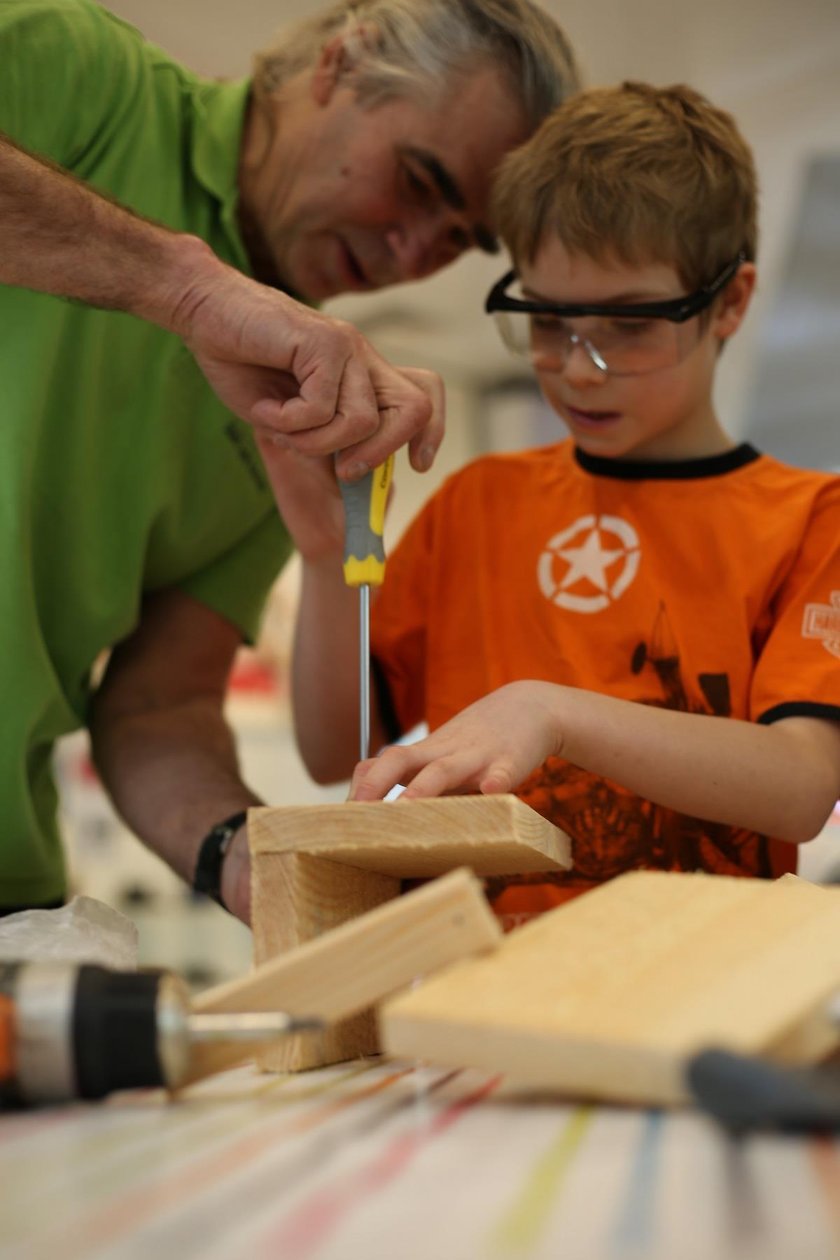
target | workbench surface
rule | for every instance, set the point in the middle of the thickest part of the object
(388, 1161)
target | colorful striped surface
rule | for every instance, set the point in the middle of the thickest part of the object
(383, 1161)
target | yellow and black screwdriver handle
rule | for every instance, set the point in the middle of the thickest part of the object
(364, 508)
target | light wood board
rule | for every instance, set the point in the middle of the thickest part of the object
(493, 835)
(353, 966)
(316, 866)
(607, 996)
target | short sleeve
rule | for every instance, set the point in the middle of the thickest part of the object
(68, 68)
(798, 671)
(237, 584)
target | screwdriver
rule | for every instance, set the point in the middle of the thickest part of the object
(70, 1030)
(364, 566)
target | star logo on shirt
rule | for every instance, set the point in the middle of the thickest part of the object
(588, 566)
(822, 621)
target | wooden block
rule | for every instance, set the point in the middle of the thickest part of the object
(493, 835)
(350, 967)
(296, 898)
(316, 866)
(607, 996)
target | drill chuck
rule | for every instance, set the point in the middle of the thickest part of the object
(84, 1031)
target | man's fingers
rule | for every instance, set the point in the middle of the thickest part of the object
(424, 446)
(312, 379)
(410, 410)
(321, 425)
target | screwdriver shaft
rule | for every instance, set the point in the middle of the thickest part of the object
(364, 672)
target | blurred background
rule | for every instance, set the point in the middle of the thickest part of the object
(776, 67)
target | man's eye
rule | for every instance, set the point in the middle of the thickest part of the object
(461, 239)
(419, 188)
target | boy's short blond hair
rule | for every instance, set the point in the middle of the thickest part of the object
(637, 173)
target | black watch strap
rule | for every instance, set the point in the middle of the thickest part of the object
(208, 869)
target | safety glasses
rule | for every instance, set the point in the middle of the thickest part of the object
(622, 339)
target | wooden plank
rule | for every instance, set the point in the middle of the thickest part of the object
(316, 866)
(353, 966)
(296, 897)
(607, 996)
(493, 835)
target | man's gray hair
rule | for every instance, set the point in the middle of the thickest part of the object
(412, 47)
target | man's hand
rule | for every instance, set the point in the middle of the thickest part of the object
(306, 488)
(299, 376)
(282, 367)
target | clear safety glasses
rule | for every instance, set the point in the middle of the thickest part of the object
(621, 339)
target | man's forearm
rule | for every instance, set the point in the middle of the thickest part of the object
(60, 236)
(272, 361)
(173, 775)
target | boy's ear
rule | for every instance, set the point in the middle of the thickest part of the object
(734, 301)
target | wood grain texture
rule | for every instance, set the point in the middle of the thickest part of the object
(493, 835)
(315, 866)
(607, 996)
(296, 897)
(356, 965)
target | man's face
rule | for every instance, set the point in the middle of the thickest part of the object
(379, 195)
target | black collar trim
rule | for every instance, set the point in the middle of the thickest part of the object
(664, 470)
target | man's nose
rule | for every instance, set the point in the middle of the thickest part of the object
(420, 247)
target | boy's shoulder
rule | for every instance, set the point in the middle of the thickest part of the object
(508, 466)
(772, 477)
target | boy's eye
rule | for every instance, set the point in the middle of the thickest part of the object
(547, 324)
(632, 327)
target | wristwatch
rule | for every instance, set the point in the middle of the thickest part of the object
(208, 869)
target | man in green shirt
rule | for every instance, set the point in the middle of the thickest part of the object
(137, 510)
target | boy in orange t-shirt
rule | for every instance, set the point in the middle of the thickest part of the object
(638, 629)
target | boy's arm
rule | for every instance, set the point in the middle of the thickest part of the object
(325, 659)
(325, 663)
(325, 676)
(780, 780)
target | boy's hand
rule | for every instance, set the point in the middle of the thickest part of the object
(308, 498)
(492, 746)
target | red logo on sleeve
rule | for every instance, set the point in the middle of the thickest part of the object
(822, 621)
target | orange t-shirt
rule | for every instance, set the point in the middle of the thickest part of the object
(710, 586)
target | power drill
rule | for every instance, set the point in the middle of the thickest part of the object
(70, 1030)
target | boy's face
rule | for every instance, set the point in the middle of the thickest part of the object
(662, 414)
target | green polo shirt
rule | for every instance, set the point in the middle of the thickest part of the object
(120, 471)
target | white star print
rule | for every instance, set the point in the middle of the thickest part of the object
(591, 560)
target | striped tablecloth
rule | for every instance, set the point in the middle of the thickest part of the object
(384, 1161)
